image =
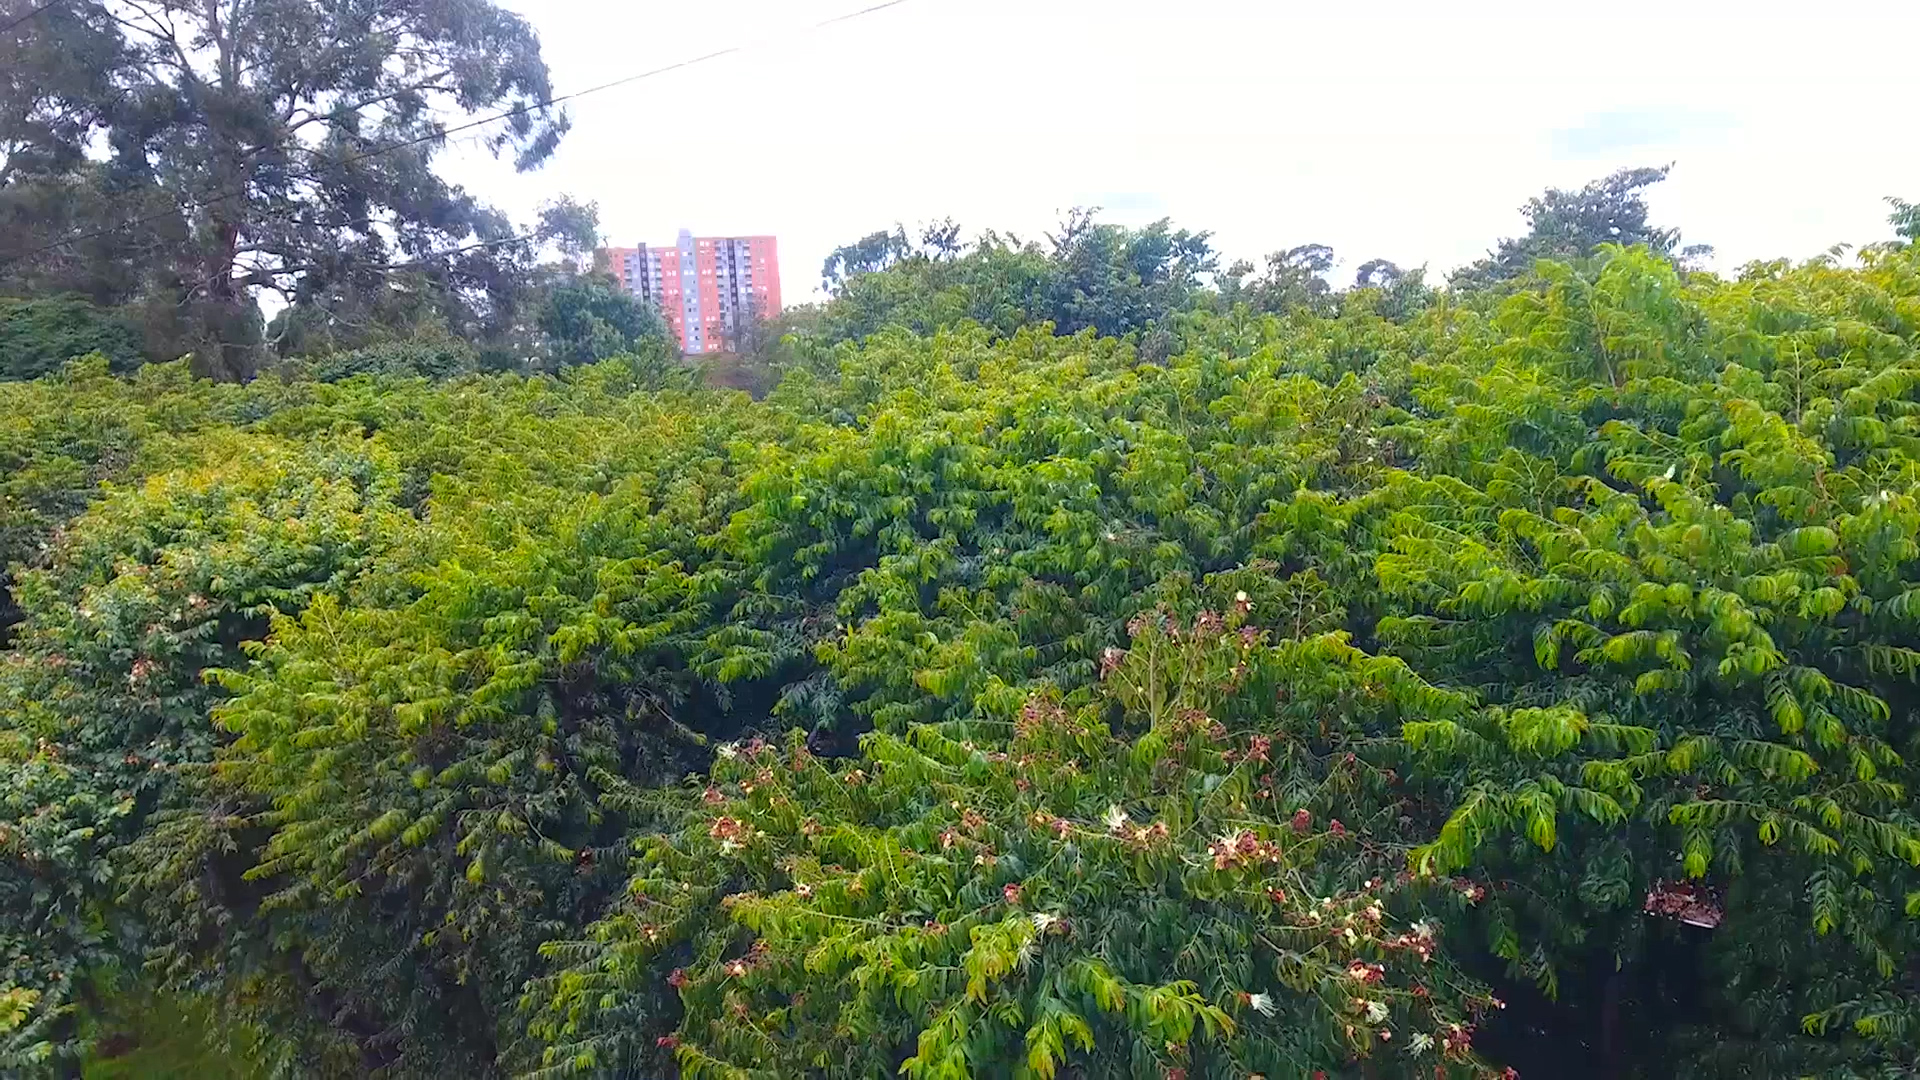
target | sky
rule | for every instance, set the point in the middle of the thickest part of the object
(1396, 129)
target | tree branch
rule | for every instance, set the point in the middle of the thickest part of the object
(430, 260)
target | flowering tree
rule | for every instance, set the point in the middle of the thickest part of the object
(1132, 886)
(992, 703)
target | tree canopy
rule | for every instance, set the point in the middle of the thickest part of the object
(284, 145)
(1084, 661)
(1573, 225)
(1087, 275)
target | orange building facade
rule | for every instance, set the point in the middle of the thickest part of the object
(705, 286)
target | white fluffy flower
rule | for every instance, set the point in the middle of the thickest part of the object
(1044, 921)
(1115, 818)
(1261, 1003)
(1420, 1043)
(1376, 1011)
(727, 750)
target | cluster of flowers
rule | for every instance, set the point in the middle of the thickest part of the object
(1140, 836)
(1455, 1039)
(1685, 901)
(1259, 750)
(1242, 849)
(1418, 940)
(732, 833)
(1039, 712)
(733, 969)
(1472, 891)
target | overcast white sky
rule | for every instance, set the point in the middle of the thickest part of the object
(1395, 129)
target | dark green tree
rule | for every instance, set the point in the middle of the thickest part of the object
(941, 239)
(589, 317)
(421, 357)
(1571, 225)
(290, 145)
(56, 91)
(874, 252)
(1117, 280)
(1295, 279)
(581, 312)
(571, 229)
(1088, 275)
(38, 336)
(378, 318)
(1396, 293)
(343, 315)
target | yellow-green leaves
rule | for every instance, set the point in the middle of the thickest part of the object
(996, 949)
(1115, 689)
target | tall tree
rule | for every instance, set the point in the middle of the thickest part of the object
(941, 239)
(291, 144)
(1294, 279)
(572, 229)
(1088, 275)
(1395, 293)
(752, 333)
(572, 311)
(588, 317)
(874, 252)
(56, 87)
(1118, 280)
(354, 312)
(1570, 225)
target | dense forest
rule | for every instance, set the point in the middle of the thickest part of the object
(1067, 656)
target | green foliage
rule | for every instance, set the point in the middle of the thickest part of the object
(1089, 275)
(107, 710)
(1131, 885)
(62, 436)
(39, 336)
(1568, 226)
(240, 145)
(869, 254)
(1905, 219)
(1294, 280)
(591, 318)
(432, 360)
(1263, 696)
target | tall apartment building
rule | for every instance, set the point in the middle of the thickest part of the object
(703, 285)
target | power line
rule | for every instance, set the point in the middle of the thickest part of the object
(30, 14)
(434, 137)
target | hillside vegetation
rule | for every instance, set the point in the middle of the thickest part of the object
(1070, 656)
(1084, 662)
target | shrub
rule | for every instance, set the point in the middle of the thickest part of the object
(424, 359)
(37, 337)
